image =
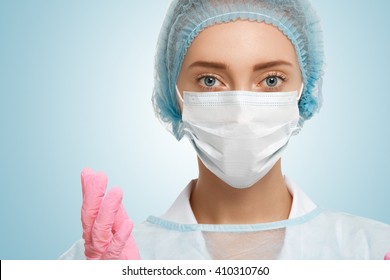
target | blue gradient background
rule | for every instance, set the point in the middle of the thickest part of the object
(75, 89)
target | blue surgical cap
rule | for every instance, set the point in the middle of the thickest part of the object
(185, 19)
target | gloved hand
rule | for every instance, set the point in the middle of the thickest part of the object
(106, 226)
(387, 256)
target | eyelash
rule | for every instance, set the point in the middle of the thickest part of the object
(278, 75)
(202, 76)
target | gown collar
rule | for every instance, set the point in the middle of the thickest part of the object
(181, 212)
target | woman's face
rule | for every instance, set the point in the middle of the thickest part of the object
(240, 55)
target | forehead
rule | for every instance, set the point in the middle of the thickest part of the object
(241, 41)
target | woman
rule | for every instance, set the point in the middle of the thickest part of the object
(238, 78)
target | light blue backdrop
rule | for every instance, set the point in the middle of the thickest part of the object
(75, 88)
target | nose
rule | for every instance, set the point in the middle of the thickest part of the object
(242, 85)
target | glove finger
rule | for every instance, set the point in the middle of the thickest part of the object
(86, 172)
(387, 256)
(131, 250)
(102, 228)
(118, 242)
(120, 217)
(94, 188)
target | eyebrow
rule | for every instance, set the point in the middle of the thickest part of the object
(270, 64)
(223, 66)
(209, 64)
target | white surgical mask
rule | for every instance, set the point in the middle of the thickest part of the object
(240, 135)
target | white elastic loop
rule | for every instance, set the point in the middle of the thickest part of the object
(180, 100)
(300, 92)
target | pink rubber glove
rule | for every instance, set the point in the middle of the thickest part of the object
(106, 226)
(387, 256)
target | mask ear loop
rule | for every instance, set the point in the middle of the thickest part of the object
(300, 92)
(179, 99)
(297, 129)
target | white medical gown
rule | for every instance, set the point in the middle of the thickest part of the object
(309, 233)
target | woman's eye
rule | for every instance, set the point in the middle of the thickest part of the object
(209, 81)
(272, 81)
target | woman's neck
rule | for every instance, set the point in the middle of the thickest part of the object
(215, 202)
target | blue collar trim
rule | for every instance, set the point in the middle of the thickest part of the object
(234, 227)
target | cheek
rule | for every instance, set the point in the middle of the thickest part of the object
(182, 82)
(295, 78)
(297, 74)
(187, 81)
